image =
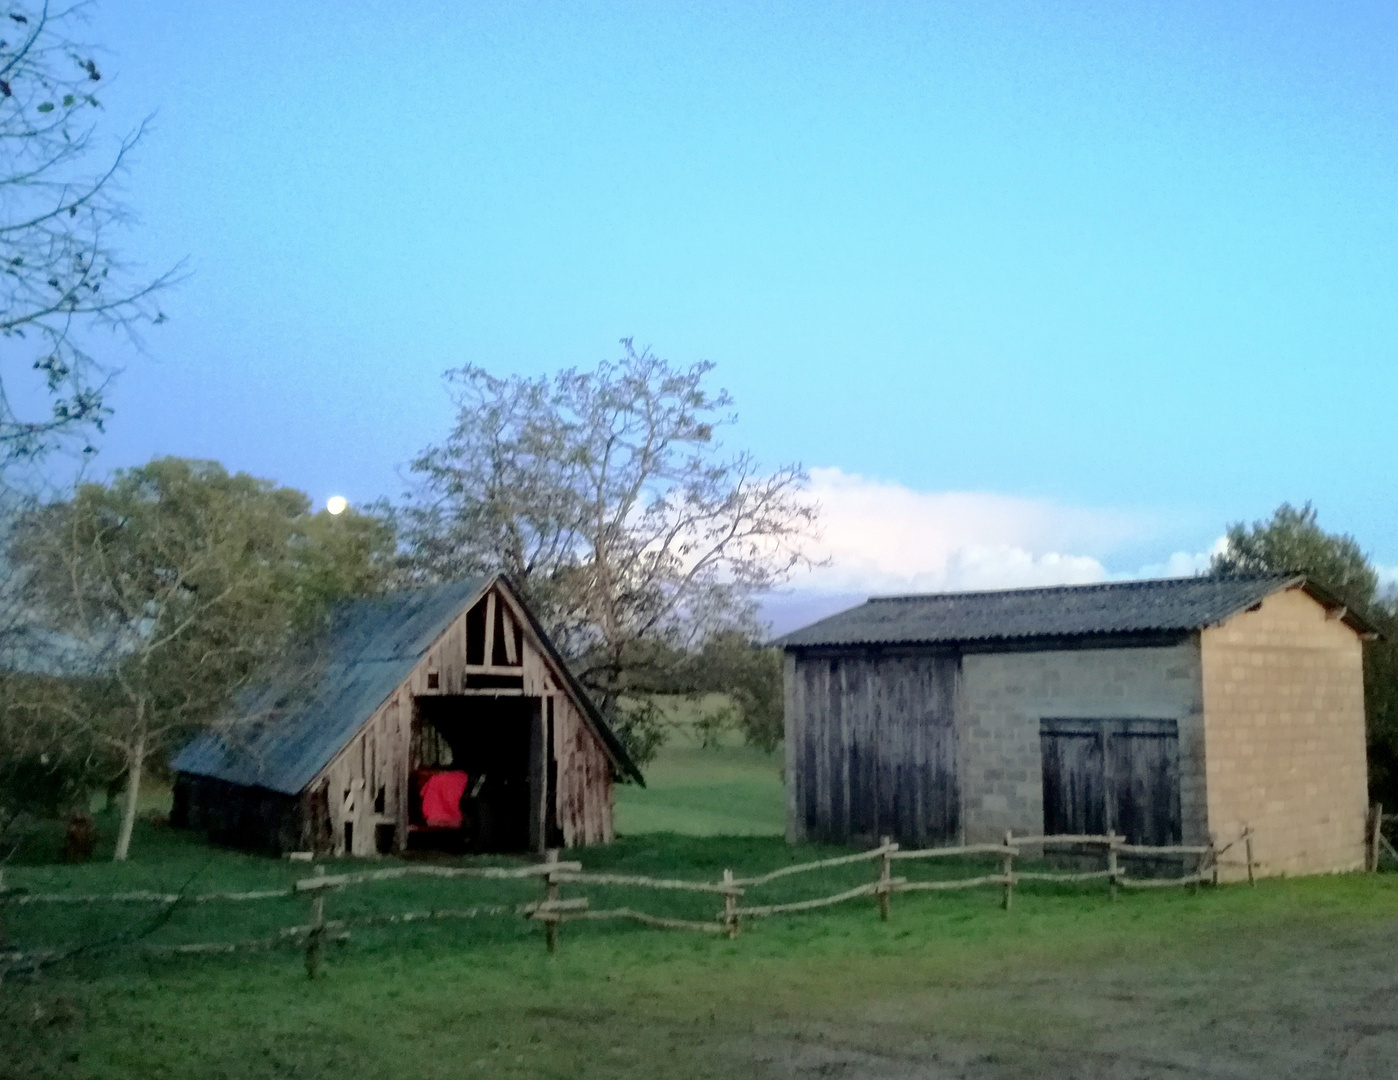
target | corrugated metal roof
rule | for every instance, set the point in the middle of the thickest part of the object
(372, 646)
(1119, 607)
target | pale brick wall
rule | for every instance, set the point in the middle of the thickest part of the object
(1005, 695)
(1284, 706)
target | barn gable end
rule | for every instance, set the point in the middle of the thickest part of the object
(1283, 688)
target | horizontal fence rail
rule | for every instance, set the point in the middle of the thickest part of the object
(553, 909)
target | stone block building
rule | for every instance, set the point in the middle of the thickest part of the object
(1166, 710)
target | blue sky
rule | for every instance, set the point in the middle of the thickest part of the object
(1130, 268)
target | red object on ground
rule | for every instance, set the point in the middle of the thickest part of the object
(441, 799)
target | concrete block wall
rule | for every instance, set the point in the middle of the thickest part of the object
(1284, 705)
(1003, 697)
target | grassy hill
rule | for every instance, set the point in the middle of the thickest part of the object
(725, 790)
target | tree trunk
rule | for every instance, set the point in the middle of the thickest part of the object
(135, 762)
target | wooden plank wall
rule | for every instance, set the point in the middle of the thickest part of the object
(380, 754)
(377, 757)
(873, 748)
(584, 797)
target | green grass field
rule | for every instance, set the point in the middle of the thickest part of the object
(1288, 979)
(728, 790)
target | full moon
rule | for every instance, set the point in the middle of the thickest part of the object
(336, 504)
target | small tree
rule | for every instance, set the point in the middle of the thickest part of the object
(1294, 540)
(59, 214)
(175, 582)
(751, 675)
(605, 496)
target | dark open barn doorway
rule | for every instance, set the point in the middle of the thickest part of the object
(499, 744)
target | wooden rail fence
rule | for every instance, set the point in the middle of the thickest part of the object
(1376, 845)
(553, 909)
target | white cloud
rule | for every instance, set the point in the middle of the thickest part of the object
(880, 537)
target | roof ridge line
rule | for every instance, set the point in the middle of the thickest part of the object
(1258, 575)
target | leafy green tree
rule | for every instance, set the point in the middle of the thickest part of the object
(175, 582)
(1294, 541)
(1381, 703)
(751, 675)
(607, 498)
(746, 673)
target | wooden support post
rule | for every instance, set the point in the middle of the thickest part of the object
(1371, 852)
(730, 905)
(550, 893)
(317, 931)
(1113, 871)
(1008, 865)
(490, 628)
(1247, 850)
(885, 876)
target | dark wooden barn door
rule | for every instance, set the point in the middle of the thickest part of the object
(877, 749)
(1144, 774)
(1112, 774)
(1075, 792)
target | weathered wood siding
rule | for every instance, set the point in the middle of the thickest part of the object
(365, 786)
(247, 817)
(871, 747)
(377, 761)
(1105, 774)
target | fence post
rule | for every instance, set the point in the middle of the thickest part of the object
(550, 894)
(317, 931)
(1008, 865)
(1111, 862)
(1247, 849)
(730, 905)
(1371, 853)
(885, 876)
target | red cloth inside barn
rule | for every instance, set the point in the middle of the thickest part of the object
(441, 799)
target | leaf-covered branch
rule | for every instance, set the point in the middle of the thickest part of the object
(61, 275)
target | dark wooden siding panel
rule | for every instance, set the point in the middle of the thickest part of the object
(863, 756)
(792, 729)
(247, 817)
(1074, 781)
(886, 743)
(813, 725)
(842, 706)
(1145, 774)
(877, 753)
(940, 811)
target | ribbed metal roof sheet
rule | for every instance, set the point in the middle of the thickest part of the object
(1118, 607)
(372, 646)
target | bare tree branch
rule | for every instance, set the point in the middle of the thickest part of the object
(608, 500)
(61, 278)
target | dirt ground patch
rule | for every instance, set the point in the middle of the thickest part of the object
(1323, 1005)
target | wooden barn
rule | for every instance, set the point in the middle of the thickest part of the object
(441, 717)
(1165, 710)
